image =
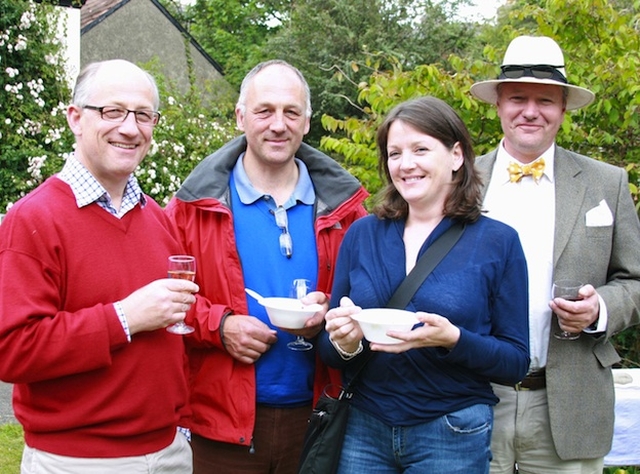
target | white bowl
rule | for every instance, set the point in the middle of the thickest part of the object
(375, 322)
(288, 313)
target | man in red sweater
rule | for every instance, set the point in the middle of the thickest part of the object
(100, 385)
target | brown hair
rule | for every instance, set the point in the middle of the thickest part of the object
(437, 119)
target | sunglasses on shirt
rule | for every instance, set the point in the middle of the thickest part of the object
(539, 71)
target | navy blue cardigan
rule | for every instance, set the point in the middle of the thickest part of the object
(480, 286)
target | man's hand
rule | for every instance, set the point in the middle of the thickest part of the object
(575, 316)
(158, 304)
(246, 337)
(313, 325)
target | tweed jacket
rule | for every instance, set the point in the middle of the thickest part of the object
(579, 379)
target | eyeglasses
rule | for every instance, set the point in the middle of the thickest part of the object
(539, 71)
(286, 243)
(118, 114)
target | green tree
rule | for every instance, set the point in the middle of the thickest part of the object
(326, 39)
(234, 31)
(33, 132)
(602, 49)
(330, 41)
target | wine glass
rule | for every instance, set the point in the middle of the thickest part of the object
(184, 268)
(568, 290)
(299, 288)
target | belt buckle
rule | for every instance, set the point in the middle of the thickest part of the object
(519, 388)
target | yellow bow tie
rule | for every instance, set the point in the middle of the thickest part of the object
(517, 171)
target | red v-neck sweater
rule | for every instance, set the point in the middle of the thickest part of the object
(80, 388)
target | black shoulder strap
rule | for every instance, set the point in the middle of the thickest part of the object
(429, 260)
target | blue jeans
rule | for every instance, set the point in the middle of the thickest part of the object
(457, 442)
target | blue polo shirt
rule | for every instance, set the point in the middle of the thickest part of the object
(284, 378)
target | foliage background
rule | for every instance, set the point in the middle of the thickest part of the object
(34, 93)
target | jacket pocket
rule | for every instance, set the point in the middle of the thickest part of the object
(606, 354)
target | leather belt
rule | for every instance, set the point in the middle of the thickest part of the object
(532, 381)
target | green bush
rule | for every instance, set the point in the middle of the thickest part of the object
(189, 130)
(33, 132)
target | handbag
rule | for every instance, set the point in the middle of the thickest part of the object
(328, 422)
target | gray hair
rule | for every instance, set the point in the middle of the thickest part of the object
(84, 82)
(241, 104)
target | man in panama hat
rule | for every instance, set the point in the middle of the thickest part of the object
(576, 219)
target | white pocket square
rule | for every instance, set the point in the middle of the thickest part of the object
(599, 216)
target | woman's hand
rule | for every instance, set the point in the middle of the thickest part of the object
(436, 331)
(343, 330)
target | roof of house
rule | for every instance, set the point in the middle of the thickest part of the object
(93, 12)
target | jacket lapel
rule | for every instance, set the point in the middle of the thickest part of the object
(485, 165)
(570, 192)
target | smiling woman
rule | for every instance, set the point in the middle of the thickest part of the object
(460, 343)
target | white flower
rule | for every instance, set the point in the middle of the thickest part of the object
(26, 20)
(12, 72)
(35, 166)
(21, 43)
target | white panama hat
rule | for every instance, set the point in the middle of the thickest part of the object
(539, 53)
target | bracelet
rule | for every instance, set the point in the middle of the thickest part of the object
(344, 354)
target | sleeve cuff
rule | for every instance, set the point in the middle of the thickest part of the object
(600, 324)
(123, 319)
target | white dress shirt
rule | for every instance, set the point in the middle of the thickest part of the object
(529, 208)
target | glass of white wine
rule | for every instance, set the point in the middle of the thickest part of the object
(184, 268)
(299, 288)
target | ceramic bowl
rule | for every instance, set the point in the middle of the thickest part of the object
(375, 322)
(288, 313)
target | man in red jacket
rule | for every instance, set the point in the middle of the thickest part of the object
(100, 385)
(263, 210)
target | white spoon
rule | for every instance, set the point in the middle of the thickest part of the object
(254, 294)
(261, 299)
